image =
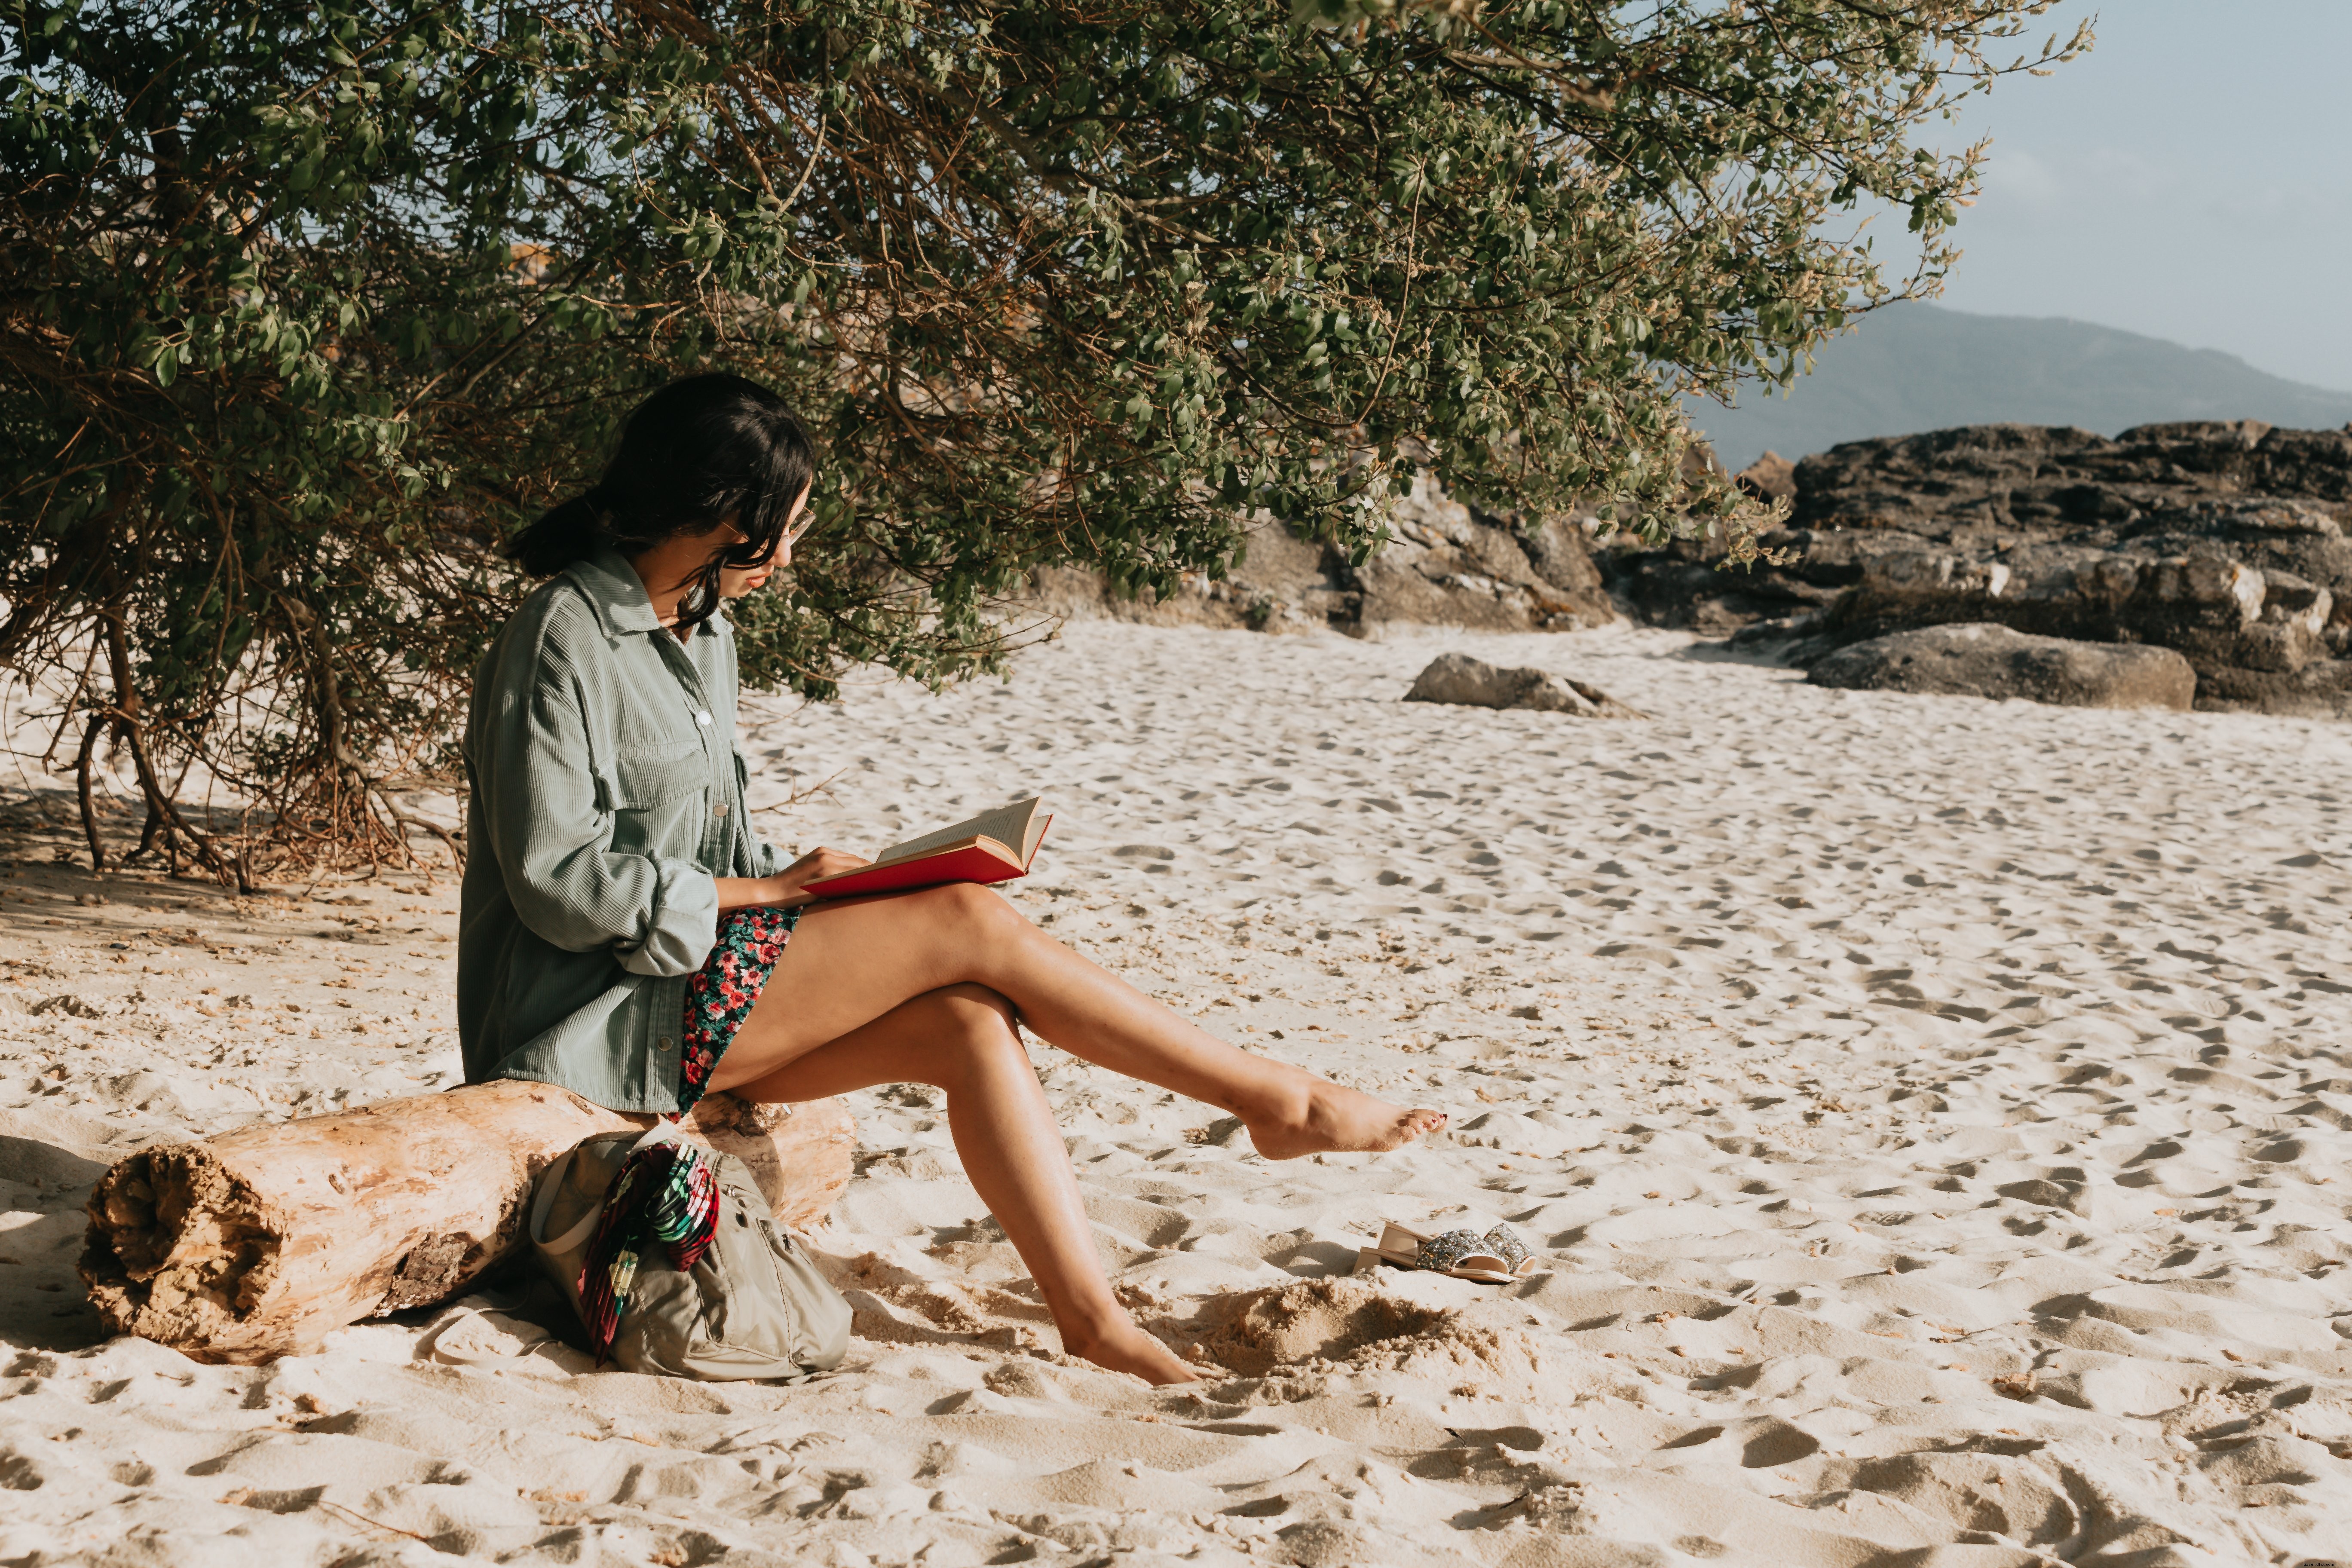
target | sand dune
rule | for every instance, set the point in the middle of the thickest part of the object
(1931, 1113)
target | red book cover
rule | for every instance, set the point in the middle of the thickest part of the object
(972, 863)
(995, 847)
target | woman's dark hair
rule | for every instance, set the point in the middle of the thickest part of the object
(695, 453)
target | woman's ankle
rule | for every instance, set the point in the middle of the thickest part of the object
(1090, 1323)
(1280, 1093)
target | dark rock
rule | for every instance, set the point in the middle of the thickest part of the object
(2319, 691)
(1980, 659)
(2221, 540)
(2196, 580)
(1678, 584)
(1458, 678)
(1986, 478)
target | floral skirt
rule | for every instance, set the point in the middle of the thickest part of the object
(720, 995)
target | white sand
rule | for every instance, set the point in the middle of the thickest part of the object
(1929, 1112)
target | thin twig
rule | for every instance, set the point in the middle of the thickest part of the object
(448, 841)
(813, 156)
(814, 790)
(373, 1523)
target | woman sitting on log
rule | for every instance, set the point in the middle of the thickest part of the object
(625, 935)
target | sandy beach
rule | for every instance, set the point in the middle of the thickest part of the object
(1931, 1115)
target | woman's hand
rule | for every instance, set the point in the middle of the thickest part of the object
(816, 863)
(782, 890)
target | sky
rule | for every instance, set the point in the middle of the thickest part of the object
(2190, 178)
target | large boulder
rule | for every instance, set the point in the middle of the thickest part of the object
(1448, 563)
(1983, 659)
(1458, 678)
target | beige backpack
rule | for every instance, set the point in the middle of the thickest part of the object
(752, 1306)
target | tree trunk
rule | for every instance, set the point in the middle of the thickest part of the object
(260, 1242)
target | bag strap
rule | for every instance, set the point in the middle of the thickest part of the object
(551, 1182)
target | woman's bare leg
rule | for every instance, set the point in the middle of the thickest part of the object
(852, 961)
(962, 1039)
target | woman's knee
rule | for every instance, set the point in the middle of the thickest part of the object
(974, 1030)
(967, 908)
(979, 1014)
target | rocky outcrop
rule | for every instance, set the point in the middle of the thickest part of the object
(1281, 582)
(1985, 661)
(1769, 477)
(1973, 488)
(1458, 678)
(1447, 564)
(2230, 583)
(2222, 540)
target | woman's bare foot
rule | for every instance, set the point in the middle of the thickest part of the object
(1122, 1347)
(1324, 1118)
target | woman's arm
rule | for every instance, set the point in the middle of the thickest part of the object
(783, 890)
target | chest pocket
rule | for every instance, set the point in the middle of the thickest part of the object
(638, 781)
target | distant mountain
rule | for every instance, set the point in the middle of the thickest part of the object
(1914, 367)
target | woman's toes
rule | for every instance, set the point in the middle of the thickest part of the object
(1337, 1121)
(1418, 1123)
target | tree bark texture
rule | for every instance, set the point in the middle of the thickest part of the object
(258, 1243)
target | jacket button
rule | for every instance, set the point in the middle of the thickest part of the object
(719, 810)
(663, 1045)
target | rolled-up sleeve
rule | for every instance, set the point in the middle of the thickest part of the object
(552, 832)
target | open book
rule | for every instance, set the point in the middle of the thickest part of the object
(994, 846)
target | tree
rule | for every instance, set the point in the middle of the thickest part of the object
(307, 305)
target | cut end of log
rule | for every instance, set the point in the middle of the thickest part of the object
(179, 1251)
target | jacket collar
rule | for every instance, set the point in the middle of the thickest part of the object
(615, 591)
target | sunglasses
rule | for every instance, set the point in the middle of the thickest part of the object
(791, 535)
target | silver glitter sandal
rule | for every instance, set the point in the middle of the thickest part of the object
(1497, 1257)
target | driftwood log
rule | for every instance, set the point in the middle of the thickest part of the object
(258, 1243)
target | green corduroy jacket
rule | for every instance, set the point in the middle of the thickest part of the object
(605, 794)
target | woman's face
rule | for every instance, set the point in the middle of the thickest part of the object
(735, 582)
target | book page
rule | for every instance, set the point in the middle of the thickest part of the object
(1008, 824)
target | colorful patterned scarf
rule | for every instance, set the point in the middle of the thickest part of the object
(667, 1192)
